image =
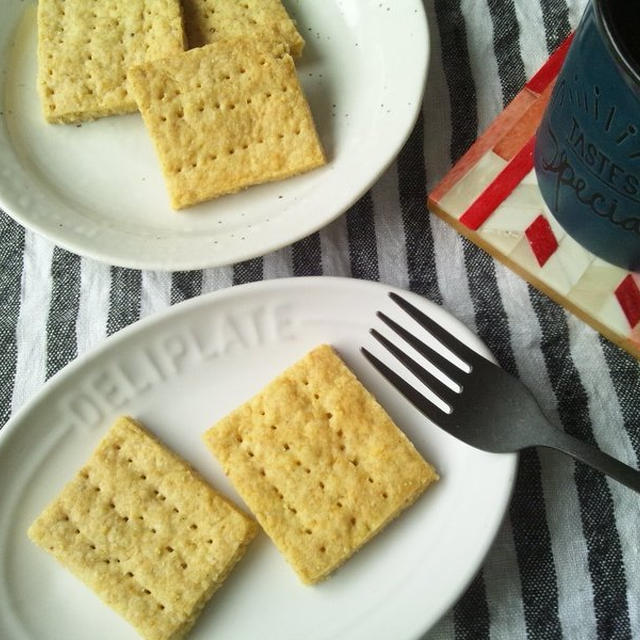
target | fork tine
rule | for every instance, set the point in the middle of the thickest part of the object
(420, 402)
(440, 333)
(433, 384)
(453, 372)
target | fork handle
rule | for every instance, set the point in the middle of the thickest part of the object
(593, 457)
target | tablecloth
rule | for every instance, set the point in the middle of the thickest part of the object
(565, 561)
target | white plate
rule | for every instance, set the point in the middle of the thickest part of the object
(97, 189)
(181, 371)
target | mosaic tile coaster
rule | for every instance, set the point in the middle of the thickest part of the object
(492, 198)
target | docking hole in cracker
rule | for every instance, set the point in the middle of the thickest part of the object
(226, 116)
(143, 530)
(319, 462)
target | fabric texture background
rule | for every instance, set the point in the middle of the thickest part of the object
(565, 561)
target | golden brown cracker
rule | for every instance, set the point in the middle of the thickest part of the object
(319, 462)
(209, 20)
(85, 49)
(226, 116)
(144, 531)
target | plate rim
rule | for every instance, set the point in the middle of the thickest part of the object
(510, 460)
(186, 262)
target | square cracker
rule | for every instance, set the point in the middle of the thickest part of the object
(226, 116)
(85, 49)
(206, 21)
(144, 531)
(319, 463)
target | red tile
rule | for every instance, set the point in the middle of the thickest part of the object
(628, 295)
(541, 239)
(551, 68)
(501, 187)
(498, 128)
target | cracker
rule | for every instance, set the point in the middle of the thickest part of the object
(144, 531)
(85, 49)
(209, 20)
(319, 463)
(226, 116)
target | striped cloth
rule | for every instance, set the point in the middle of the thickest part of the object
(565, 562)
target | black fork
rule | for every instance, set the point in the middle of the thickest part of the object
(491, 410)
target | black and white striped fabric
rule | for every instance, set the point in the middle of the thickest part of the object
(566, 561)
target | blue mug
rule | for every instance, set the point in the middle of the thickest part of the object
(587, 153)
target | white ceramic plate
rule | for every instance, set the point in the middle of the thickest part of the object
(97, 189)
(181, 371)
